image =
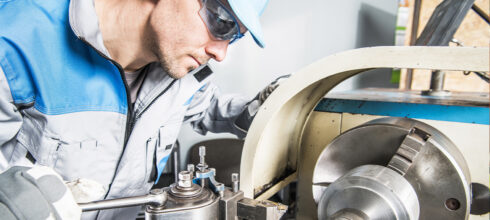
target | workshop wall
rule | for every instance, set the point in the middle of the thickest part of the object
(297, 33)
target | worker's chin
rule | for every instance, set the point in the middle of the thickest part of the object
(177, 72)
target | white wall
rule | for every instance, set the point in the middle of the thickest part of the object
(298, 33)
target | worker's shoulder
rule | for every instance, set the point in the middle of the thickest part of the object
(21, 15)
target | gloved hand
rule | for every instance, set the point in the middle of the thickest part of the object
(35, 193)
(244, 120)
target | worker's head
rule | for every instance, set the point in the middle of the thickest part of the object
(184, 34)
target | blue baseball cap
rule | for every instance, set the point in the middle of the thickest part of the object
(248, 12)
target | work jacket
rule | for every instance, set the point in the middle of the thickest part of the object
(65, 104)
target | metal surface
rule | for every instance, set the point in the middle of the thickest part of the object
(370, 192)
(235, 182)
(470, 99)
(480, 203)
(185, 188)
(408, 151)
(176, 160)
(437, 84)
(481, 13)
(204, 206)
(260, 210)
(157, 198)
(438, 173)
(228, 204)
(444, 22)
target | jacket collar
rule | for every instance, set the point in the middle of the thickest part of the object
(85, 24)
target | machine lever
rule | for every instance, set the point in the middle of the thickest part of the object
(157, 197)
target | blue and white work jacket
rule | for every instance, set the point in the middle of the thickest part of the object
(65, 104)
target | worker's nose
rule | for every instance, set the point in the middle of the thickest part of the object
(216, 49)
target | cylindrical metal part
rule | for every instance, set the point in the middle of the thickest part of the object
(235, 181)
(155, 198)
(349, 214)
(176, 155)
(204, 206)
(202, 154)
(377, 141)
(376, 191)
(185, 179)
(190, 167)
(437, 80)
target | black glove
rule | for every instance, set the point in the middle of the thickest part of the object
(35, 193)
(244, 120)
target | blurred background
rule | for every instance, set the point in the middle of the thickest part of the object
(298, 33)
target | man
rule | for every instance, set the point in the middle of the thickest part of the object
(99, 89)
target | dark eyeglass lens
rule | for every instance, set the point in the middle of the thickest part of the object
(222, 26)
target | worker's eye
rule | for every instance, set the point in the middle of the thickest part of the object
(224, 25)
(221, 22)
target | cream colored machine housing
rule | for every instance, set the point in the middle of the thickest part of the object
(287, 136)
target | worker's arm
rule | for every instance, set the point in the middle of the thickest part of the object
(10, 120)
(211, 111)
(35, 193)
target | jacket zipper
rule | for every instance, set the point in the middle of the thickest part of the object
(137, 116)
(128, 96)
(129, 117)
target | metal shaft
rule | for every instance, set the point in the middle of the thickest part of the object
(235, 182)
(202, 154)
(151, 199)
(437, 80)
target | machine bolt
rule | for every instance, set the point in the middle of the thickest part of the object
(185, 179)
(190, 168)
(156, 191)
(202, 163)
(221, 193)
(235, 181)
(452, 204)
(202, 154)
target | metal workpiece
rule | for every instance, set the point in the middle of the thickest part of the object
(156, 198)
(228, 204)
(202, 206)
(370, 192)
(426, 158)
(260, 209)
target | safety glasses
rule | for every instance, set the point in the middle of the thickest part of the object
(220, 21)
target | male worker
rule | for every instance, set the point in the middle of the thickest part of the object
(98, 89)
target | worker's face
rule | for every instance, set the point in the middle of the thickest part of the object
(179, 38)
